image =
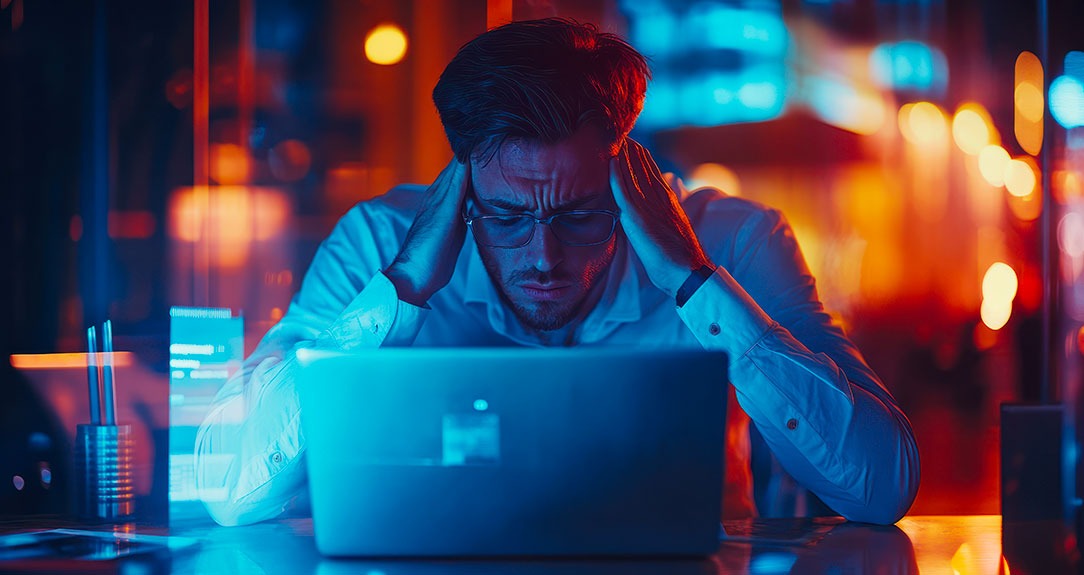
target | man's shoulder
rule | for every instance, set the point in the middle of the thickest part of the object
(713, 208)
(402, 199)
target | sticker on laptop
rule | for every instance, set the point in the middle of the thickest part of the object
(471, 439)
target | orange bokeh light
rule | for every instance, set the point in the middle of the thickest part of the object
(926, 124)
(386, 44)
(972, 128)
(1020, 177)
(66, 360)
(992, 161)
(229, 217)
(229, 164)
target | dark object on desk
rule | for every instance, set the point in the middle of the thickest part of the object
(74, 551)
(1031, 462)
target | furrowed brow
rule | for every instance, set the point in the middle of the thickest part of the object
(514, 207)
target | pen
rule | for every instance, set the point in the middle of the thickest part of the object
(92, 376)
(109, 400)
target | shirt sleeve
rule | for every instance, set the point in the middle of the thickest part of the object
(824, 413)
(249, 449)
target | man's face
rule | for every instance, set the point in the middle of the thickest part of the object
(546, 283)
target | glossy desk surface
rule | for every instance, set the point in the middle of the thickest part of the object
(966, 545)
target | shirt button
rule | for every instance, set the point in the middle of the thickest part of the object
(792, 424)
(276, 457)
(713, 329)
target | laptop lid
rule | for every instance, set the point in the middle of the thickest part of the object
(514, 451)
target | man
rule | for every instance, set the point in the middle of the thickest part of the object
(551, 227)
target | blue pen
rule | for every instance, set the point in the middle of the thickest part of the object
(109, 400)
(92, 376)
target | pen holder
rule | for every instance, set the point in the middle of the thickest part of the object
(103, 467)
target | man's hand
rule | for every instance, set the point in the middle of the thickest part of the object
(653, 220)
(427, 258)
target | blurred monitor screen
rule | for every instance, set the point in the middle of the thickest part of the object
(206, 347)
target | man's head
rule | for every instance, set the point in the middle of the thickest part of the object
(538, 108)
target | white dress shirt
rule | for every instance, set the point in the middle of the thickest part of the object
(822, 411)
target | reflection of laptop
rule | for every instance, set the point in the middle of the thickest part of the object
(469, 452)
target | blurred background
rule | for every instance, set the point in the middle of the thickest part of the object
(927, 152)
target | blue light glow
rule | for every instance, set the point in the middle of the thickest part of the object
(713, 25)
(481, 405)
(909, 65)
(772, 562)
(1067, 101)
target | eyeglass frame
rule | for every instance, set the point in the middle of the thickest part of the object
(547, 221)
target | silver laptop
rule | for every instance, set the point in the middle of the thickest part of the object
(458, 452)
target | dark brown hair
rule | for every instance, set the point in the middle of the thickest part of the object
(540, 80)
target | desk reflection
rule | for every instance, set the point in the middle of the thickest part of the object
(784, 546)
(942, 544)
(519, 567)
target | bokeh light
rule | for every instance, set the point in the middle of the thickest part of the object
(1028, 103)
(229, 164)
(1019, 178)
(1066, 185)
(716, 176)
(1071, 234)
(992, 162)
(995, 314)
(1029, 99)
(999, 283)
(1067, 101)
(971, 128)
(386, 44)
(927, 124)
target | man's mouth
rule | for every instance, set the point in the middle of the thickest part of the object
(545, 292)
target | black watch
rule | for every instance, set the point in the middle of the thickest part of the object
(696, 279)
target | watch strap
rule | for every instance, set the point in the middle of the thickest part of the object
(693, 283)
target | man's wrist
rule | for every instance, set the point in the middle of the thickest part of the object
(696, 278)
(406, 289)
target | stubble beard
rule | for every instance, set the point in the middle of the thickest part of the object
(545, 316)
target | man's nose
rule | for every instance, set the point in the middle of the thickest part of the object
(546, 251)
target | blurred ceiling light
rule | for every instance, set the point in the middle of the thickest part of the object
(992, 161)
(229, 164)
(716, 176)
(999, 283)
(995, 314)
(1019, 177)
(927, 123)
(386, 44)
(1071, 234)
(971, 128)
(1067, 101)
(1028, 103)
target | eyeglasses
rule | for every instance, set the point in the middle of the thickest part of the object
(573, 228)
